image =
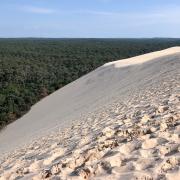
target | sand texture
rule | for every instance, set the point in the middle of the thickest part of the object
(125, 125)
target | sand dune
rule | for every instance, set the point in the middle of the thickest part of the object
(120, 121)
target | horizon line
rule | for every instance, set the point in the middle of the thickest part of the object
(29, 37)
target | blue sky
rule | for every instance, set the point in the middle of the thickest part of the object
(90, 18)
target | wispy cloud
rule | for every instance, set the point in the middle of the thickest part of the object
(156, 15)
(37, 10)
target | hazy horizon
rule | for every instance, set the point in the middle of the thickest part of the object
(89, 37)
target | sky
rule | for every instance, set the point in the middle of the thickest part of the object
(90, 18)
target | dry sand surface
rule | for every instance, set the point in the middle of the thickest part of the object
(121, 121)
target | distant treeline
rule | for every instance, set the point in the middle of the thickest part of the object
(30, 69)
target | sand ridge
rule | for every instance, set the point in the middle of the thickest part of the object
(144, 58)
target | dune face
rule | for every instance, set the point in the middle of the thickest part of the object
(120, 121)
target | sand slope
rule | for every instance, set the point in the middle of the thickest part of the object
(121, 121)
(100, 87)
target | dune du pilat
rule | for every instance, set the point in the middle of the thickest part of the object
(120, 121)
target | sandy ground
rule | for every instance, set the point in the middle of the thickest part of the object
(121, 121)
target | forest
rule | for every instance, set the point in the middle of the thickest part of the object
(32, 68)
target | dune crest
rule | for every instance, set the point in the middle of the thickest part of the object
(144, 58)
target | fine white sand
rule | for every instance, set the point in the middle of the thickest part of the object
(120, 121)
